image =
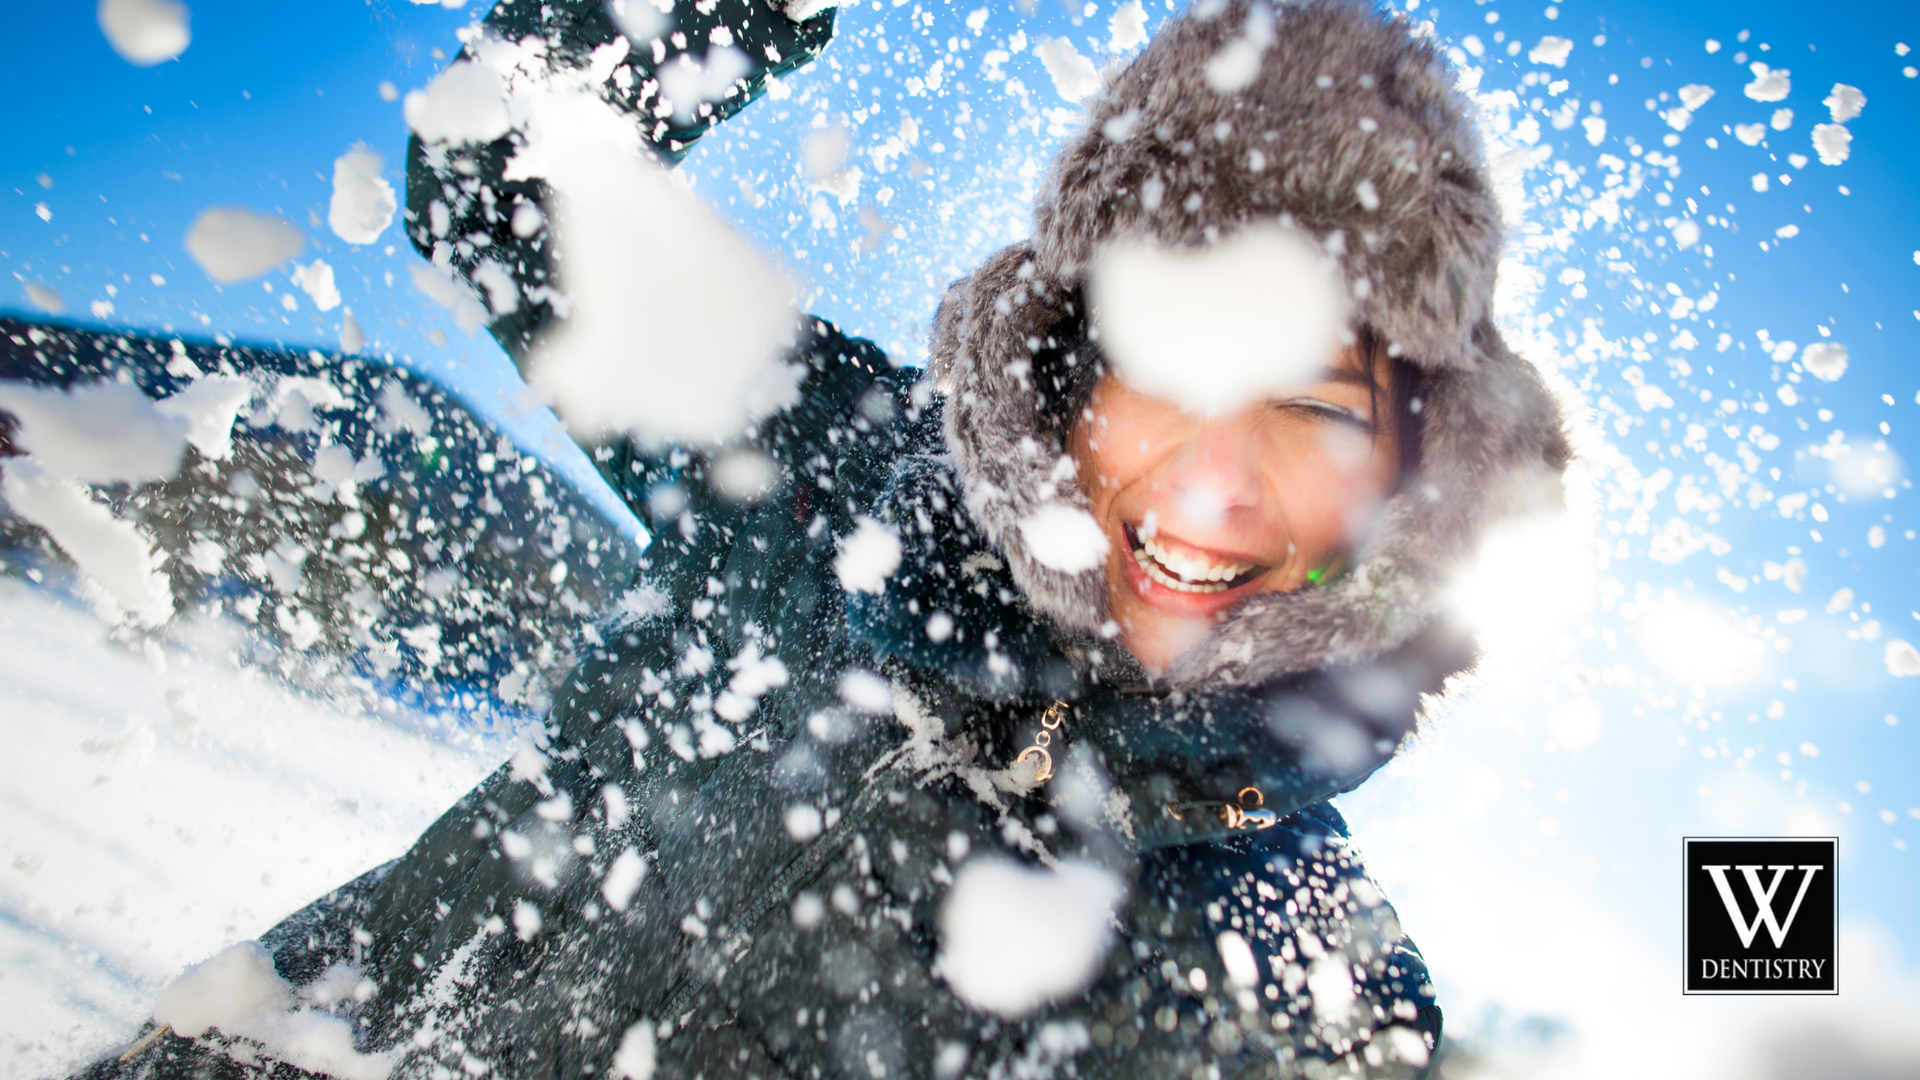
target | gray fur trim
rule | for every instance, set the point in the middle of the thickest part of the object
(1384, 168)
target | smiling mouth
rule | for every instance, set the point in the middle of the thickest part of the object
(1189, 573)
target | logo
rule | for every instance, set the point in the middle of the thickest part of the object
(1737, 888)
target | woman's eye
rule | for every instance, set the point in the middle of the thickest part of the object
(1327, 410)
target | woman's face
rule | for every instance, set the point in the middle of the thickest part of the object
(1202, 512)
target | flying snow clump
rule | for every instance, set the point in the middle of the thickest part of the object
(1694, 95)
(316, 280)
(1127, 27)
(117, 559)
(1233, 68)
(46, 299)
(868, 556)
(1064, 538)
(145, 32)
(1825, 360)
(238, 993)
(1751, 134)
(469, 313)
(1554, 51)
(1845, 102)
(1903, 660)
(635, 1058)
(1216, 327)
(98, 433)
(232, 243)
(1768, 84)
(1833, 142)
(686, 82)
(466, 103)
(1013, 939)
(675, 328)
(363, 202)
(1074, 76)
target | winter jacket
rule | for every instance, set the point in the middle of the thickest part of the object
(738, 845)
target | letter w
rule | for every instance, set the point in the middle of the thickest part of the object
(1763, 898)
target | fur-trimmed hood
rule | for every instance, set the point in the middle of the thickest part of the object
(1349, 130)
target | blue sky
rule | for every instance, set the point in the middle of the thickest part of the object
(1649, 660)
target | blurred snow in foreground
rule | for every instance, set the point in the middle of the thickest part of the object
(159, 807)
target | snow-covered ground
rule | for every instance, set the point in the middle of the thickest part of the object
(158, 805)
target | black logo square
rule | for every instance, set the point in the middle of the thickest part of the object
(1761, 916)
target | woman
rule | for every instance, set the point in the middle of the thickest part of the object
(764, 828)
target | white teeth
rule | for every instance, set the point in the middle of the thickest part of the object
(1184, 573)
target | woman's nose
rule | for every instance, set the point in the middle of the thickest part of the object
(1215, 474)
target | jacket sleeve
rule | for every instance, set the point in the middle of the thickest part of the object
(471, 222)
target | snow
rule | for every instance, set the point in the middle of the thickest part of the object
(101, 433)
(1234, 67)
(1825, 360)
(44, 298)
(675, 327)
(866, 692)
(1064, 538)
(466, 103)
(232, 243)
(238, 993)
(868, 556)
(624, 874)
(316, 280)
(363, 202)
(1768, 84)
(252, 801)
(145, 32)
(635, 1058)
(1074, 76)
(1127, 27)
(1751, 134)
(1833, 142)
(209, 406)
(802, 10)
(1903, 660)
(1845, 102)
(1243, 971)
(468, 312)
(1554, 51)
(1213, 329)
(641, 20)
(687, 82)
(1013, 938)
(1694, 95)
(1686, 233)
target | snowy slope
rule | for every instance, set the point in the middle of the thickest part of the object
(138, 836)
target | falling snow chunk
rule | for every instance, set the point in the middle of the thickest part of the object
(1751, 134)
(1686, 233)
(1127, 27)
(1553, 51)
(469, 313)
(1596, 129)
(352, 338)
(1903, 660)
(1825, 360)
(232, 243)
(803, 822)
(1768, 84)
(868, 556)
(466, 103)
(624, 875)
(866, 692)
(635, 1058)
(686, 83)
(316, 280)
(208, 408)
(619, 361)
(363, 202)
(145, 32)
(99, 433)
(1833, 142)
(44, 298)
(1211, 329)
(1845, 102)
(1760, 181)
(1694, 95)
(1782, 119)
(238, 993)
(1234, 67)
(1014, 938)
(1074, 76)
(1064, 538)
